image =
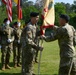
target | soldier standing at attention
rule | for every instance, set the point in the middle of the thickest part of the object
(6, 42)
(17, 44)
(65, 35)
(28, 45)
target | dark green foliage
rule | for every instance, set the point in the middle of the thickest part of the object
(29, 6)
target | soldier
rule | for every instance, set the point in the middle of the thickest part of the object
(6, 42)
(65, 35)
(17, 44)
(28, 44)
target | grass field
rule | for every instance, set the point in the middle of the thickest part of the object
(49, 62)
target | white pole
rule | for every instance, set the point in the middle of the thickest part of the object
(40, 58)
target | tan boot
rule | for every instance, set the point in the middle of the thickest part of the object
(15, 65)
(3, 67)
(18, 65)
(7, 67)
(33, 74)
(36, 61)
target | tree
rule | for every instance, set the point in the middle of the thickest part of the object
(27, 11)
(68, 7)
(0, 3)
(3, 13)
(59, 9)
(72, 19)
(30, 3)
(39, 4)
(24, 3)
(74, 7)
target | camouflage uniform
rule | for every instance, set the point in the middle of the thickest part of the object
(65, 35)
(17, 46)
(36, 52)
(28, 48)
(0, 34)
(37, 40)
(7, 33)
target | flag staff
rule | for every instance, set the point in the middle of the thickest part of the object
(48, 16)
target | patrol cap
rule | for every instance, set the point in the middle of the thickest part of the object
(66, 17)
(34, 14)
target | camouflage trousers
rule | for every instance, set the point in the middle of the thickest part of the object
(17, 53)
(67, 66)
(27, 62)
(36, 55)
(6, 52)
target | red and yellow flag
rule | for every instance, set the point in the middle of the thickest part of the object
(48, 14)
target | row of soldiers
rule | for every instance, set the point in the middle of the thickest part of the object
(11, 41)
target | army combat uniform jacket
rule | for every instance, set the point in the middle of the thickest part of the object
(28, 47)
(66, 36)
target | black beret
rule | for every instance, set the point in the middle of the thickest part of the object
(66, 17)
(5, 20)
(34, 14)
(15, 23)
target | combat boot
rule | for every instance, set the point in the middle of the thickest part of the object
(19, 65)
(3, 67)
(36, 61)
(15, 65)
(33, 74)
(7, 67)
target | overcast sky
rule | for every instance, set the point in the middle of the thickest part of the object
(66, 1)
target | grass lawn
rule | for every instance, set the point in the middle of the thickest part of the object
(49, 62)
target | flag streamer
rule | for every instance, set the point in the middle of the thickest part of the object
(8, 4)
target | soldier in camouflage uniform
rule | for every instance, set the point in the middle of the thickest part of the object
(65, 35)
(17, 44)
(6, 42)
(28, 45)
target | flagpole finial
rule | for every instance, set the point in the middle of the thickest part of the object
(16, 1)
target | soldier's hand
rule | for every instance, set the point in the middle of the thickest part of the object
(9, 40)
(43, 37)
(18, 41)
(40, 48)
